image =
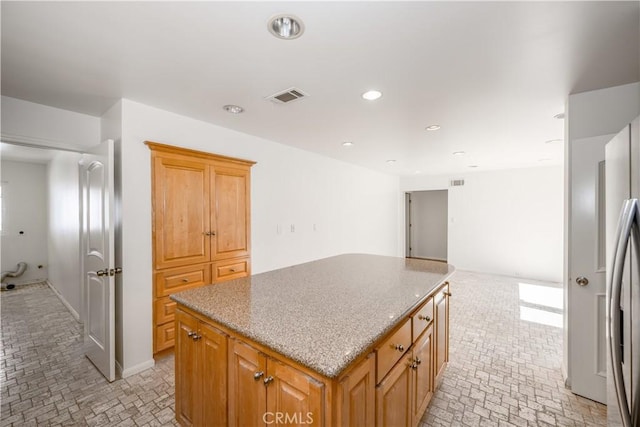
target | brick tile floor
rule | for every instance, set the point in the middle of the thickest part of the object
(503, 371)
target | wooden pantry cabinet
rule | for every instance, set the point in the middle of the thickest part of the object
(201, 226)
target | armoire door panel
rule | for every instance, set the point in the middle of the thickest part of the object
(231, 217)
(182, 220)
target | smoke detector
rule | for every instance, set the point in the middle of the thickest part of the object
(287, 96)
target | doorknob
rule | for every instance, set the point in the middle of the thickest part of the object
(582, 281)
(101, 273)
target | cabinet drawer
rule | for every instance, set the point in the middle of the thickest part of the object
(392, 350)
(422, 318)
(178, 279)
(164, 310)
(165, 336)
(230, 269)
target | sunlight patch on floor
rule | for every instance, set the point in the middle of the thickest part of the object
(548, 304)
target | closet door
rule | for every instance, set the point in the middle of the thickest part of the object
(231, 218)
(181, 212)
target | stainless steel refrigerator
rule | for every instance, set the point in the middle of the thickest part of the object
(622, 164)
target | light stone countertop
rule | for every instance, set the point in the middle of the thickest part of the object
(322, 314)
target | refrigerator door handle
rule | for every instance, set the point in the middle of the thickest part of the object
(627, 224)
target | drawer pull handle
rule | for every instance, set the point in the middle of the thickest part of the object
(426, 318)
(268, 380)
(185, 280)
(399, 347)
(233, 270)
(258, 375)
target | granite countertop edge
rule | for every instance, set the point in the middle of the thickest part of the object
(329, 370)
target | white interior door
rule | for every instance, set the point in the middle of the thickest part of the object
(587, 270)
(98, 270)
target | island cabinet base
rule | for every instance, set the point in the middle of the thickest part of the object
(223, 379)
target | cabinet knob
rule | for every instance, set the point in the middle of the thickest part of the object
(190, 334)
(196, 337)
(258, 375)
(417, 361)
(425, 318)
(399, 347)
(268, 380)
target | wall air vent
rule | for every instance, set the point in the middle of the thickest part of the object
(457, 182)
(287, 96)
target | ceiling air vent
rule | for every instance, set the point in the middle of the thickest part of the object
(287, 96)
(457, 182)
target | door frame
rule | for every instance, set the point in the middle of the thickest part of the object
(409, 223)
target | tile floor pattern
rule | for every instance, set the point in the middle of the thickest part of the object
(503, 371)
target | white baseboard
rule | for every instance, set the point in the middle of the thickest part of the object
(64, 302)
(124, 373)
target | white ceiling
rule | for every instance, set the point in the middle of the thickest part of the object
(493, 75)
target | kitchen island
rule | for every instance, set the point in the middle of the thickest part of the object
(348, 340)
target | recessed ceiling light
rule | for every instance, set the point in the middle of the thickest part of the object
(459, 153)
(544, 159)
(417, 172)
(551, 141)
(287, 27)
(391, 161)
(432, 127)
(473, 166)
(347, 144)
(559, 116)
(372, 95)
(233, 109)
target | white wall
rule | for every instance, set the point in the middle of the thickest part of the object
(47, 125)
(64, 228)
(353, 209)
(24, 210)
(429, 224)
(503, 222)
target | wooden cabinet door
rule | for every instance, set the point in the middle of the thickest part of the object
(393, 402)
(181, 212)
(213, 374)
(247, 395)
(231, 218)
(293, 396)
(186, 372)
(441, 332)
(422, 384)
(357, 395)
